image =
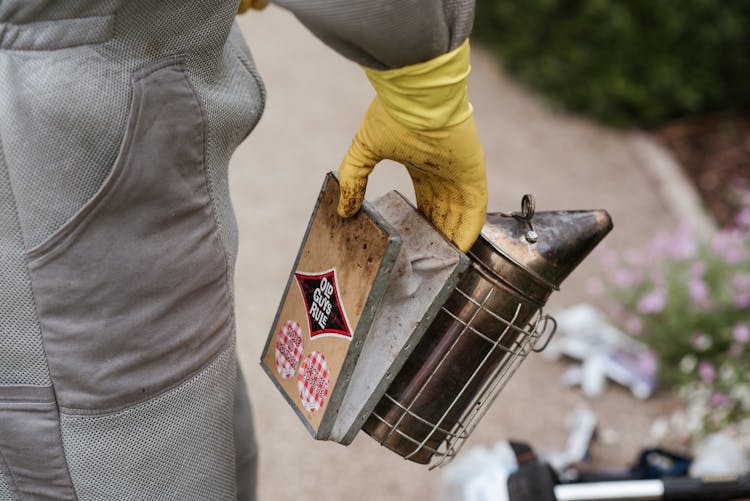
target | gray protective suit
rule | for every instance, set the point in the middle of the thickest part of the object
(118, 373)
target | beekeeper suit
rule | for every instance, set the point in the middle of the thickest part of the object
(118, 373)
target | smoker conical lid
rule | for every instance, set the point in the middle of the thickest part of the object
(559, 242)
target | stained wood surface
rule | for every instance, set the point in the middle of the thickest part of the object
(355, 249)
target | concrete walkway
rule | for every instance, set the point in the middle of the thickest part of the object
(315, 102)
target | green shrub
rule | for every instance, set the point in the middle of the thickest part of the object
(625, 62)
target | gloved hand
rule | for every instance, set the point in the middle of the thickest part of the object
(421, 117)
(251, 4)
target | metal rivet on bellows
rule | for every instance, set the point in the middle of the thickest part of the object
(531, 236)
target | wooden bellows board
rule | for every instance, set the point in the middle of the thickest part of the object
(361, 293)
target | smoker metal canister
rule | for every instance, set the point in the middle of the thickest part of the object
(485, 329)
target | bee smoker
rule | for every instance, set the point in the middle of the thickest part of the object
(491, 321)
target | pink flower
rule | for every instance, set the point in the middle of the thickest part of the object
(661, 244)
(698, 269)
(657, 278)
(706, 372)
(623, 277)
(741, 282)
(653, 301)
(683, 244)
(741, 333)
(701, 342)
(729, 246)
(718, 399)
(741, 300)
(698, 291)
(648, 363)
(633, 325)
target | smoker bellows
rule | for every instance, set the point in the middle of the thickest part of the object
(386, 326)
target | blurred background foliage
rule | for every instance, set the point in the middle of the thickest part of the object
(625, 62)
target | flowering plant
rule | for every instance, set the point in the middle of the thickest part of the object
(690, 302)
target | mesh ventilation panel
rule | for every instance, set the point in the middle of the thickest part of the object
(177, 446)
(22, 358)
(5, 493)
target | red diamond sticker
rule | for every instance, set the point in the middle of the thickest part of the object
(325, 311)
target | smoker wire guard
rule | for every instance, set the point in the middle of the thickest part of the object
(525, 340)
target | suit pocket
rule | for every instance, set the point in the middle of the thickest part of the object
(132, 291)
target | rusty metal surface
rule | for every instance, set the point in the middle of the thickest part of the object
(564, 239)
(484, 331)
(423, 277)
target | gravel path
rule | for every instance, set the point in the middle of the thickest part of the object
(315, 102)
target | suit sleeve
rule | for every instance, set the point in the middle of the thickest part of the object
(385, 34)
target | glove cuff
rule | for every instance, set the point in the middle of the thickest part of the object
(429, 95)
(251, 4)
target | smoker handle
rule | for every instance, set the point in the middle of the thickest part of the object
(668, 489)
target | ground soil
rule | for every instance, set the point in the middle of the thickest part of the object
(714, 152)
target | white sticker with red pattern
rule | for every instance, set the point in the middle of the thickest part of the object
(289, 349)
(313, 381)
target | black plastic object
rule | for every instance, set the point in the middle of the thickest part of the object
(534, 479)
(697, 489)
(660, 463)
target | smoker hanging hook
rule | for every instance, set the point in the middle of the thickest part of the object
(528, 207)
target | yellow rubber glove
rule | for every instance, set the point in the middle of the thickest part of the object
(251, 4)
(421, 117)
